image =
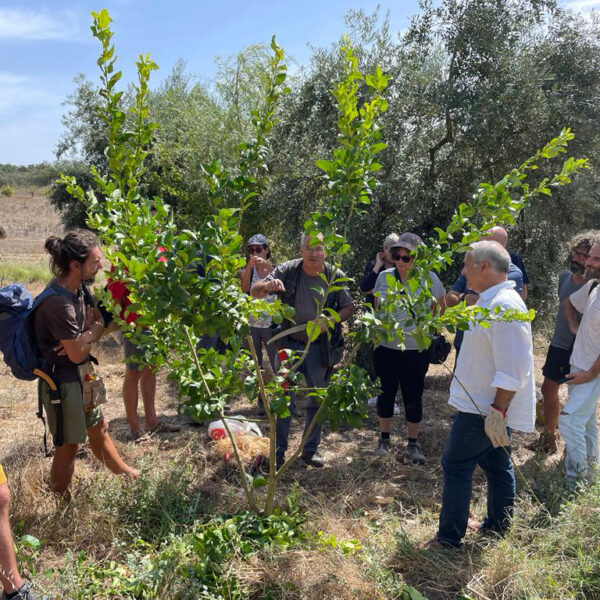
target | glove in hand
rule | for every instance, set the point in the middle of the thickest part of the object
(495, 427)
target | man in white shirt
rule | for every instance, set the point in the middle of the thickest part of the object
(578, 421)
(493, 390)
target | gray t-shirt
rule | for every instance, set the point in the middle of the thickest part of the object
(381, 286)
(306, 298)
(563, 338)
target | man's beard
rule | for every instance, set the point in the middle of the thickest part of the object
(577, 268)
(89, 280)
(592, 273)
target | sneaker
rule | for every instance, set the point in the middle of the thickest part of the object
(415, 454)
(383, 447)
(25, 593)
(313, 459)
(279, 459)
(546, 443)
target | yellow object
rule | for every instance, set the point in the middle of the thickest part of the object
(2, 475)
(249, 446)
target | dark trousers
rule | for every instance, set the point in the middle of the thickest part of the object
(404, 368)
(260, 337)
(467, 446)
(317, 375)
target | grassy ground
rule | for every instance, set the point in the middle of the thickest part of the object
(388, 506)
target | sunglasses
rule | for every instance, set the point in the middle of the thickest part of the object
(405, 258)
(583, 255)
(255, 249)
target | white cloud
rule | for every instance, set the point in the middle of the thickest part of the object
(27, 24)
(18, 93)
(583, 5)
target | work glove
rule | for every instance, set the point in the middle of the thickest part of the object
(495, 427)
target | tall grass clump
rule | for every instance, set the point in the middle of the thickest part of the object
(559, 560)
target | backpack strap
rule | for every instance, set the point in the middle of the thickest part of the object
(593, 286)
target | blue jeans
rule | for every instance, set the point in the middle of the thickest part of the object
(317, 375)
(467, 446)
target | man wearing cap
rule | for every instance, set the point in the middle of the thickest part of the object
(402, 365)
(297, 280)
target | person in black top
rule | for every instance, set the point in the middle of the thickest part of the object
(383, 260)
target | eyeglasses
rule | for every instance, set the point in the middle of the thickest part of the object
(405, 258)
(255, 249)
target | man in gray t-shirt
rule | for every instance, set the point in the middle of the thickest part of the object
(299, 281)
(557, 366)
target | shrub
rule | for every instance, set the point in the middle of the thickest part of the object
(7, 190)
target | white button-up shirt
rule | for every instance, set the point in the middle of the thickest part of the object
(500, 356)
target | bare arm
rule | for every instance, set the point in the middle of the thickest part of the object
(503, 398)
(524, 292)
(245, 277)
(78, 349)
(452, 298)
(261, 288)
(346, 312)
(570, 314)
(585, 376)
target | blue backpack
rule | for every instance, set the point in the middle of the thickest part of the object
(17, 342)
(20, 350)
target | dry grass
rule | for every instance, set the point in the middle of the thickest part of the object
(391, 507)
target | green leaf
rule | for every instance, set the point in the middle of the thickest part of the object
(312, 330)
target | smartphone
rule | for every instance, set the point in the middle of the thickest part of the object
(563, 379)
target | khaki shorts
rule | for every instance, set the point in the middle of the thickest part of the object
(76, 421)
(2, 476)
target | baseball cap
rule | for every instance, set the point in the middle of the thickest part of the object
(407, 240)
(258, 238)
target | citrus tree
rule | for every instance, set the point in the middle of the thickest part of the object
(193, 291)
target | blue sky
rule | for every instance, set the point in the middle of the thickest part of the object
(44, 45)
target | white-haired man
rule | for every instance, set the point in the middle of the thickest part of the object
(578, 422)
(494, 392)
(298, 281)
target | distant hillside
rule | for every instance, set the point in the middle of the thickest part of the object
(26, 176)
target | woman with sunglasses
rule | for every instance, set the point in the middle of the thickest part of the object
(257, 268)
(396, 367)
